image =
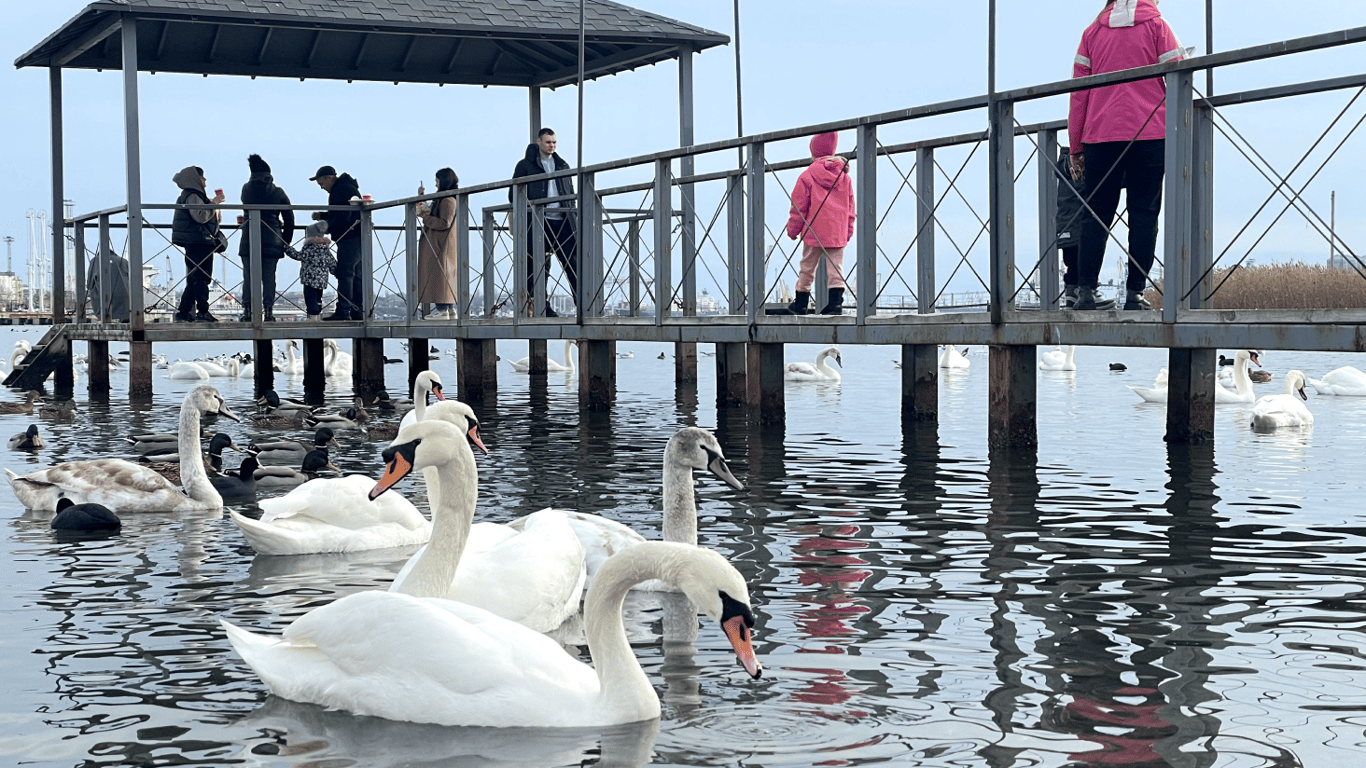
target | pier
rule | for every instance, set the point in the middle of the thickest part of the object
(649, 226)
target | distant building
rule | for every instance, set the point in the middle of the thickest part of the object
(11, 290)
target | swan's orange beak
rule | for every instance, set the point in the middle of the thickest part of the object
(398, 462)
(738, 634)
(436, 390)
(474, 438)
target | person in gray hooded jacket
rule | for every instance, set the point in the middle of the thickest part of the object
(195, 231)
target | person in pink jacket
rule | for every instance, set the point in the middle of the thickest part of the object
(1117, 138)
(823, 216)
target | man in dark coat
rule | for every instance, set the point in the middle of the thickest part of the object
(277, 230)
(344, 229)
(541, 159)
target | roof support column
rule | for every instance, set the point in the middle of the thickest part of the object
(54, 81)
(133, 161)
(685, 352)
(534, 109)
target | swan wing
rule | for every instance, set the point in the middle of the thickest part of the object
(118, 484)
(1153, 395)
(534, 576)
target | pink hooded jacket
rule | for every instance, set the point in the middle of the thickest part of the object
(823, 198)
(1127, 34)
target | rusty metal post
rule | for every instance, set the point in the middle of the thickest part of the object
(597, 374)
(476, 369)
(139, 372)
(367, 375)
(764, 385)
(1190, 395)
(730, 374)
(685, 362)
(97, 371)
(1011, 417)
(315, 375)
(263, 372)
(919, 383)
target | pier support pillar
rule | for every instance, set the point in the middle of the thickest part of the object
(1011, 418)
(97, 371)
(139, 373)
(367, 375)
(685, 363)
(417, 363)
(476, 369)
(764, 383)
(315, 375)
(536, 356)
(1190, 396)
(63, 377)
(730, 374)
(597, 374)
(919, 383)
(263, 369)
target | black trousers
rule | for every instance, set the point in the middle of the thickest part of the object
(268, 266)
(349, 291)
(1137, 169)
(313, 300)
(559, 238)
(198, 271)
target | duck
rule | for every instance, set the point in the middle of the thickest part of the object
(351, 418)
(190, 371)
(274, 403)
(337, 362)
(691, 449)
(384, 432)
(218, 443)
(524, 365)
(1259, 377)
(291, 451)
(818, 372)
(127, 487)
(31, 397)
(1118, 367)
(284, 420)
(84, 517)
(952, 358)
(1346, 381)
(62, 410)
(661, 356)
(1224, 361)
(333, 515)
(314, 463)
(461, 664)
(239, 485)
(28, 440)
(1285, 410)
(533, 575)
(147, 442)
(1058, 360)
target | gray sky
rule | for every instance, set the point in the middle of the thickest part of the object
(804, 63)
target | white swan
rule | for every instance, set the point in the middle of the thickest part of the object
(534, 576)
(127, 487)
(21, 350)
(524, 365)
(213, 368)
(1222, 395)
(292, 366)
(438, 661)
(952, 358)
(1346, 381)
(690, 449)
(190, 371)
(337, 363)
(1284, 410)
(1057, 360)
(818, 372)
(425, 383)
(333, 515)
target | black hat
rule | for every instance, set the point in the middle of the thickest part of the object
(326, 170)
(256, 165)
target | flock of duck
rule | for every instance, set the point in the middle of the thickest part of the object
(469, 609)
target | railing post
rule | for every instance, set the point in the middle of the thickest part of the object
(1048, 219)
(78, 235)
(462, 258)
(866, 223)
(924, 230)
(518, 221)
(489, 239)
(106, 255)
(1177, 200)
(367, 264)
(591, 290)
(664, 210)
(410, 248)
(735, 246)
(633, 267)
(1001, 216)
(755, 242)
(256, 281)
(1202, 206)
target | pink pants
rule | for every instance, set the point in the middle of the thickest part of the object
(834, 266)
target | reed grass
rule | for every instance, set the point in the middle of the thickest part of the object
(1283, 286)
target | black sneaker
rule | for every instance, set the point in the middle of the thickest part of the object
(205, 317)
(1069, 297)
(336, 316)
(183, 317)
(1086, 298)
(550, 312)
(1136, 300)
(244, 319)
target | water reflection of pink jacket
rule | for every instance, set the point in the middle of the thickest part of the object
(823, 198)
(1127, 34)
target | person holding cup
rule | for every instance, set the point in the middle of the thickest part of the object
(196, 232)
(436, 252)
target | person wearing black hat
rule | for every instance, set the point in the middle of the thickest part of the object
(277, 230)
(344, 229)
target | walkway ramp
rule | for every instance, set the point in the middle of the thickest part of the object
(41, 361)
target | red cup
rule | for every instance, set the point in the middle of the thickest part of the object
(240, 219)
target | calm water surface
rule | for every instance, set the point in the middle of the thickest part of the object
(1109, 601)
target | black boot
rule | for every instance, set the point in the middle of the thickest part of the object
(1086, 297)
(799, 306)
(835, 306)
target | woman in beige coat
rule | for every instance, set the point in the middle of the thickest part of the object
(437, 258)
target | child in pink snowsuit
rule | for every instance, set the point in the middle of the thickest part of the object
(823, 214)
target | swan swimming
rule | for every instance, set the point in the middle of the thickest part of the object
(524, 365)
(952, 358)
(1346, 381)
(1057, 360)
(1274, 412)
(1222, 395)
(818, 372)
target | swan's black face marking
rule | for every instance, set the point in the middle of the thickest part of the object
(436, 390)
(736, 621)
(473, 433)
(838, 361)
(1252, 355)
(1303, 395)
(398, 462)
(716, 464)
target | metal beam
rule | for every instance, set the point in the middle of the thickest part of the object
(455, 51)
(754, 177)
(89, 40)
(54, 82)
(686, 167)
(1176, 204)
(364, 43)
(1048, 219)
(663, 225)
(924, 230)
(1001, 152)
(132, 150)
(866, 224)
(265, 42)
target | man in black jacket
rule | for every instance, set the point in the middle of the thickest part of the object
(540, 159)
(277, 230)
(344, 228)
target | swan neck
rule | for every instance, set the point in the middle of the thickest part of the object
(680, 504)
(568, 350)
(453, 490)
(1241, 380)
(192, 474)
(623, 683)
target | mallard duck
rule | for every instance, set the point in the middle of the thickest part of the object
(217, 444)
(284, 420)
(30, 397)
(28, 440)
(240, 484)
(285, 477)
(274, 403)
(151, 442)
(84, 517)
(351, 418)
(62, 410)
(291, 451)
(169, 468)
(1259, 377)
